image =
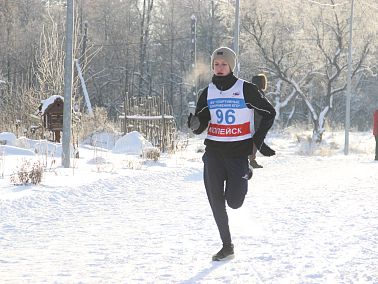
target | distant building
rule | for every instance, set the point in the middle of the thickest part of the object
(51, 111)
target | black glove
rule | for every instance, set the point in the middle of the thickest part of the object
(258, 140)
(266, 150)
(193, 122)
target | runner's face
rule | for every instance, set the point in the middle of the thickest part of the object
(221, 67)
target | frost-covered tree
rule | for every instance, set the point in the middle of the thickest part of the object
(310, 55)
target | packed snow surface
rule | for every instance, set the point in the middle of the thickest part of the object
(310, 216)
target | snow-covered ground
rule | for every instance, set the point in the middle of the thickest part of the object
(117, 218)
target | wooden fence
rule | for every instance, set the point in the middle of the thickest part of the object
(153, 118)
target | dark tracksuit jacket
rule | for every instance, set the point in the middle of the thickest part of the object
(226, 163)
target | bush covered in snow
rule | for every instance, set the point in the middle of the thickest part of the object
(28, 173)
(98, 123)
(151, 153)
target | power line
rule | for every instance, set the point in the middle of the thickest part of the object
(168, 41)
(325, 4)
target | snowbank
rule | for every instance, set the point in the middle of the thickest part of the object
(11, 150)
(7, 138)
(104, 140)
(132, 143)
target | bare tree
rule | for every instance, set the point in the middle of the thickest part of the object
(310, 72)
(145, 21)
(50, 65)
(283, 60)
(19, 24)
(136, 46)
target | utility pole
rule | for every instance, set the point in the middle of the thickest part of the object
(68, 78)
(236, 36)
(349, 83)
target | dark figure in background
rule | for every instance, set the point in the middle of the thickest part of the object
(261, 82)
(375, 133)
(226, 108)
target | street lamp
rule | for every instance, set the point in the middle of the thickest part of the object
(349, 83)
(193, 52)
(236, 36)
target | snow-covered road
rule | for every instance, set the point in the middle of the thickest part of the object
(305, 220)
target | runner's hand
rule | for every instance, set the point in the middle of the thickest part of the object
(193, 122)
(266, 150)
